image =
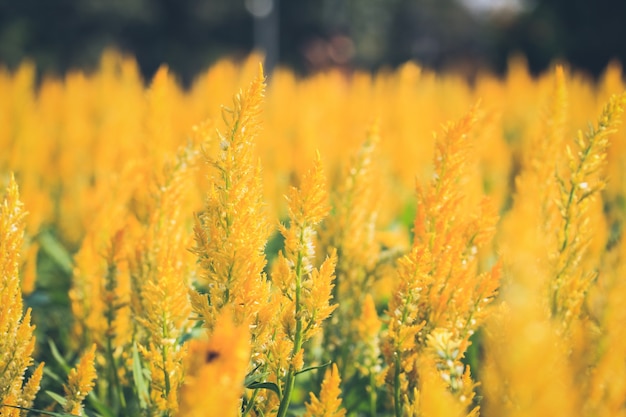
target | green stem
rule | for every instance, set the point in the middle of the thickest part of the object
(164, 355)
(110, 286)
(568, 218)
(116, 381)
(297, 344)
(396, 387)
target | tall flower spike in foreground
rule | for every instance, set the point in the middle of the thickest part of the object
(16, 333)
(80, 382)
(232, 230)
(306, 290)
(440, 297)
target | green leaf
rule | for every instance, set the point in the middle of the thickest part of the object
(264, 385)
(44, 412)
(196, 331)
(101, 408)
(56, 251)
(48, 372)
(140, 382)
(57, 356)
(56, 397)
(252, 377)
(312, 368)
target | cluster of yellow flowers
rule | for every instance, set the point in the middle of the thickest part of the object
(398, 244)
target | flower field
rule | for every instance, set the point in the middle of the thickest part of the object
(399, 244)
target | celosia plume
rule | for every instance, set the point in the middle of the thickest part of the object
(17, 342)
(80, 382)
(329, 403)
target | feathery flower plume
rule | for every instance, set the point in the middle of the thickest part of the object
(159, 273)
(306, 290)
(232, 230)
(440, 297)
(80, 382)
(16, 333)
(578, 191)
(329, 402)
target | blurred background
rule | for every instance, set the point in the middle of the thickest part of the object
(311, 35)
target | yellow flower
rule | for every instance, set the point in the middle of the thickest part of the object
(586, 165)
(80, 382)
(160, 272)
(329, 403)
(232, 230)
(305, 290)
(439, 285)
(16, 333)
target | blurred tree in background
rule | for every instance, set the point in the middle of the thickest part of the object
(588, 34)
(308, 35)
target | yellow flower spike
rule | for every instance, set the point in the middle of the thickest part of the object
(31, 387)
(308, 204)
(438, 283)
(317, 299)
(215, 370)
(232, 230)
(573, 277)
(305, 301)
(80, 382)
(329, 403)
(161, 283)
(16, 333)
